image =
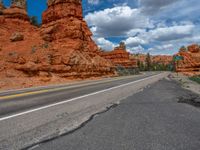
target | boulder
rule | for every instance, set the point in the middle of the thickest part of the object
(16, 37)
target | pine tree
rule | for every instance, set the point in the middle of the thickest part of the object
(148, 62)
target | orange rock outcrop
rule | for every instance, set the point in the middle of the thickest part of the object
(190, 65)
(1, 6)
(140, 57)
(60, 50)
(72, 46)
(120, 57)
(157, 59)
(162, 59)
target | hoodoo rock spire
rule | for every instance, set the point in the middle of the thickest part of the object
(17, 10)
(19, 3)
(1, 5)
(64, 26)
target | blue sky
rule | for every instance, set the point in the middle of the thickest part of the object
(155, 26)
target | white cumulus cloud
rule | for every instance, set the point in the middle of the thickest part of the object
(116, 21)
(135, 41)
(104, 44)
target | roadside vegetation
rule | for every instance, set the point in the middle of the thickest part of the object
(195, 78)
(124, 71)
(148, 65)
(34, 21)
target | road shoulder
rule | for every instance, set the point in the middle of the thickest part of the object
(186, 83)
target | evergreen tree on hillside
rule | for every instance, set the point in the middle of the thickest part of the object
(34, 21)
(148, 62)
(183, 49)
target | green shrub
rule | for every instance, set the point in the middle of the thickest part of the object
(33, 49)
(195, 78)
(34, 21)
(124, 71)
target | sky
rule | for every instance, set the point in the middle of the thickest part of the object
(159, 27)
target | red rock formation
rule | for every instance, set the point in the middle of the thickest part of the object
(60, 50)
(190, 64)
(120, 57)
(162, 59)
(157, 59)
(19, 3)
(13, 53)
(63, 25)
(17, 10)
(140, 57)
(1, 5)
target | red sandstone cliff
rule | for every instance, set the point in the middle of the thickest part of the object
(120, 57)
(72, 46)
(18, 42)
(157, 59)
(60, 50)
(190, 64)
(140, 57)
(162, 59)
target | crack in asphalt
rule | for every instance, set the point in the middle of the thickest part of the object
(31, 147)
(190, 99)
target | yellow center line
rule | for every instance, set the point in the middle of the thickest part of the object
(22, 94)
(30, 93)
(51, 90)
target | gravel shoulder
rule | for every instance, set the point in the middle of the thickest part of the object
(186, 82)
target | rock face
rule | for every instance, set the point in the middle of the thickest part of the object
(140, 57)
(19, 3)
(74, 52)
(120, 57)
(154, 62)
(61, 50)
(17, 10)
(1, 5)
(162, 59)
(190, 64)
(15, 26)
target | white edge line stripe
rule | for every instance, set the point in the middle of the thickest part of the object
(71, 85)
(73, 99)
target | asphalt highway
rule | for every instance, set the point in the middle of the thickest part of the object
(28, 117)
(22, 100)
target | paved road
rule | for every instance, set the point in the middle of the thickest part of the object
(31, 116)
(13, 102)
(149, 120)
